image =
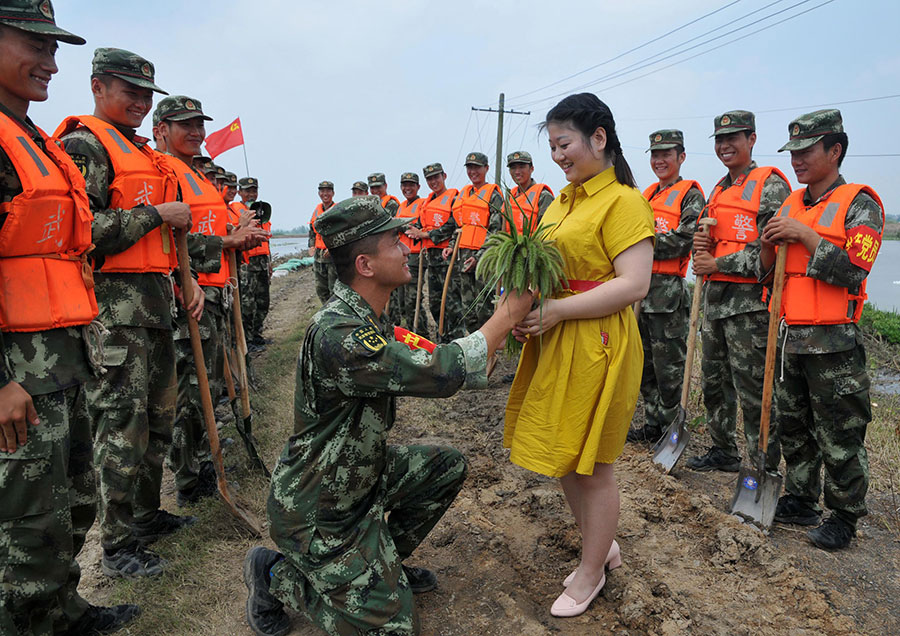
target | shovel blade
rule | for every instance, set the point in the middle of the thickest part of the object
(756, 496)
(671, 445)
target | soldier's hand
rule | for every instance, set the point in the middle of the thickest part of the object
(176, 214)
(312, 251)
(246, 217)
(704, 264)
(469, 263)
(198, 301)
(416, 233)
(446, 253)
(16, 413)
(783, 229)
(703, 242)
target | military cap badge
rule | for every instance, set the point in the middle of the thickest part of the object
(516, 156)
(796, 130)
(471, 157)
(145, 70)
(726, 120)
(190, 105)
(658, 137)
(46, 9)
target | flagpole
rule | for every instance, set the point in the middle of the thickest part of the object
(244, 148)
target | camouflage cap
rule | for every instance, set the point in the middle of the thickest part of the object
(409, 176)
(178, 108)
(201, 159)
(221, 173)
(807, 130)
(231, 180)
(210, 168)
(519, 156)
(355, 218)
(476, 158)
(360, 185)
(432, 169)
(326, 185)
(127, 66)
(734, 121)
(376, 179)
(248, 182)
(35, 16)
(665, 139)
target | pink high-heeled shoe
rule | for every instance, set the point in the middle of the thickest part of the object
(613, 561)
(565, 606)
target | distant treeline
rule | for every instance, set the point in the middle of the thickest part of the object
(892, 227)
(300, 230)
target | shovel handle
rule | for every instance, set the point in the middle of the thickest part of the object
(771, 347)
(447, 285)
(239, 338)
(695, 320)
(415, 325)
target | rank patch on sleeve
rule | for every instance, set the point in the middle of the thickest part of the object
(369, 338)
(81, 162)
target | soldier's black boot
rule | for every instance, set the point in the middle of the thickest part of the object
(715, 459)
(103, 620)
(420, 579)
(265, 613)
(833, 534)
(162, 524)
(791, 509)
(646, 434)
(131, 561)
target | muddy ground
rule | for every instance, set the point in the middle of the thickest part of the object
(504, 547)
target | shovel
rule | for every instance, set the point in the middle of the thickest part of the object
(757, 489)
(671, 445)
(187, 289)
(242, 420)
(243, 424)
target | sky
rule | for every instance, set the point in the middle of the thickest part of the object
(338, 90)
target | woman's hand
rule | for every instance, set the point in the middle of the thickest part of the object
(540, 320)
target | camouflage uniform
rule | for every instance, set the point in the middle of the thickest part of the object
(664, 321)
(436, 275)
(406, 295)
(254, 284)
(132, 405)
(47, 486)
(323, 266)
(345, 508)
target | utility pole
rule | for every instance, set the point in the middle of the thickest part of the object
(498, 166)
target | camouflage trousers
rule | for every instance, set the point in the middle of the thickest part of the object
(133, 408)
(325, 274)
(436, 274)
(254, 300)
(823, 409)
(190, 444)
(664, 339)
(734, 360)
(406, 299)
(362, 588)
(48, 490)
(475, 311)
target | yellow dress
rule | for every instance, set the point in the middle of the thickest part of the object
(576, 387)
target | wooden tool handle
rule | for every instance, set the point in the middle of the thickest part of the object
(695, 319)
(447, 285)
(771, 346)
(415, 325)
(239, 338)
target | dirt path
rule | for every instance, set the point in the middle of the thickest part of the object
(504, 547)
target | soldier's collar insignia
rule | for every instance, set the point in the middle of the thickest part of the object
(370, 338)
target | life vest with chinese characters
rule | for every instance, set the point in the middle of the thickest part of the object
(735, 210)
(437, 211)
(141, 178)
(525, 204)
(410, 210)
(666, 206)
(809, 301)
(209, 214)
(472, 213)
(320, 244)
(46, 280)
(263, 248)
(387, 199)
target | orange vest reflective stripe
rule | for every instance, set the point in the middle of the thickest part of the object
(263, 248)
(666, 206)
(735, 210)
(437, 211)
(809, 301)
(472, 213)
(141, 178)
(209, 214)
(387, 198)
(45, 278)
(526, 204)
(410, 210)
(320, 244)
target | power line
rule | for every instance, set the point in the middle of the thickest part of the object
(461, 143)
(632, 50)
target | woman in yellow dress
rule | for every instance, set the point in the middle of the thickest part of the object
(579, 375)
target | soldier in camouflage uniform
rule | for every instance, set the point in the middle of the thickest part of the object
(832, 231)
(378, 187)
(521, 168)
(345, 508)
(230, 187)
(323, 266)
(665, 310)
(437, 260)
(735, 314)
(359, 189)
(47, 482)
(406, 295)
(474, 311)
(133, 404)
(256, 274)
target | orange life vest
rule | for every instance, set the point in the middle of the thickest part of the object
(437, 211)
(525, 204)
(45, 278)
(667, 215)
(263, 248)
(234, 218)
(472, 213)
(810, 301)
(410, 210)
(209, 214)
(320, 244)
(388, 198)
(735, 210)
(141, 178)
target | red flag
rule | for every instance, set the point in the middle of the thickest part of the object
(225, 139)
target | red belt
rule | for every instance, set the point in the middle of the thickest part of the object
(583, 285)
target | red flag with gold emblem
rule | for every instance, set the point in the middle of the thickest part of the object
(226, 139)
